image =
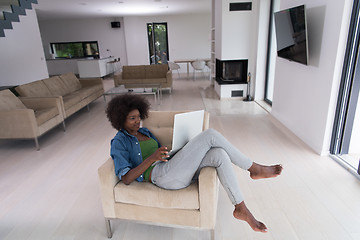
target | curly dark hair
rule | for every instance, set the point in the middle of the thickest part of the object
(120, 106)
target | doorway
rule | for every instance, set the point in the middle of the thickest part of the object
(158, 43)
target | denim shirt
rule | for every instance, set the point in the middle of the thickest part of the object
(126, 153)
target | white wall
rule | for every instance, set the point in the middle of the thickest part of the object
(237, 34)
(259, 82)
(218, 28)
(22, 57)
(60, 66)
(236, 37)
(188, 37)
(86, 30)
(305, 96)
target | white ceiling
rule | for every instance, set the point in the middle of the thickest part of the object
(72, 9)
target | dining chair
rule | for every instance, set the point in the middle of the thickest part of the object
(208, 65)
(198, 65)
(174, 66)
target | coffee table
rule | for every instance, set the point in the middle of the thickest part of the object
(144, 89)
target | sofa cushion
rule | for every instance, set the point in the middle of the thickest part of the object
(132, 81)
(44, 115)
(34, 89)
(86, 92)
(156, 71)
(71, 81)
(147, 194)
(154, 80)
(95, 87)
(136, 72)
(9, 101)
(56, 86)
(71, 100)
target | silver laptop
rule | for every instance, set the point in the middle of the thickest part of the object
(186, 127)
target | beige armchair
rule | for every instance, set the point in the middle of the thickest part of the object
(24, 118)
(194, 206)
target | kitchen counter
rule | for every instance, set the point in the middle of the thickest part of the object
(90, 68)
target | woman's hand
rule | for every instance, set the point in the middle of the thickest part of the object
(160, 154)
(134, 173)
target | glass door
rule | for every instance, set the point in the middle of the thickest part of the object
(158, 43)
(271, 54)
(345, 142)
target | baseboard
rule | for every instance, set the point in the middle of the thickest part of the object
(292, 135)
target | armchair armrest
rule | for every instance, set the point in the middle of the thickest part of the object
(18, 123)
(117, 79)
(108, 180)
(206, 120)
(38, 103)
(208, 197)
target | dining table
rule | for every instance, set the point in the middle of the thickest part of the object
(190, 60)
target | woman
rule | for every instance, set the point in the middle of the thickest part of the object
(135, 149)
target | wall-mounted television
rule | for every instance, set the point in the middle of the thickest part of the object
(291, 34)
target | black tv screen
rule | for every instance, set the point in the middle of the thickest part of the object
(291, 34)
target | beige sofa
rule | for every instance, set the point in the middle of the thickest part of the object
(140, 75)
(74, 93)
(24, 118)
(194, 206)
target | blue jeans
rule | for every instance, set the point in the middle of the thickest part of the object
(208, 149)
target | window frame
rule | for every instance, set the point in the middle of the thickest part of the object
(151, 42)
(83, 46)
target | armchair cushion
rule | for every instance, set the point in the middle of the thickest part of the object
(44, 115)
(148, 195)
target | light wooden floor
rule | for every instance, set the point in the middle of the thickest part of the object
(54, 194)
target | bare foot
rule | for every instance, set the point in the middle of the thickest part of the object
(258, 171)
(241, 212)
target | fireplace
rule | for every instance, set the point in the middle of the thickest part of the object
(231, 71)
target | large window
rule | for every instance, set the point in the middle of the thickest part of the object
(158, 43)
(345, 138)
(75, 49)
